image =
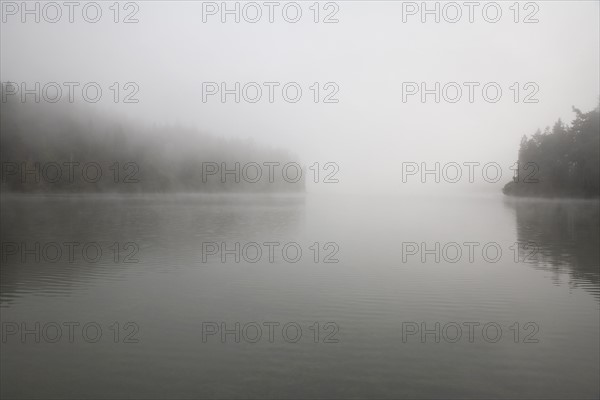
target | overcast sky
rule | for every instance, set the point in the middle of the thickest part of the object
(368, 54)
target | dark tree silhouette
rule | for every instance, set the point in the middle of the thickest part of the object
(560, 162)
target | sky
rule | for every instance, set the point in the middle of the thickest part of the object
(369, 58)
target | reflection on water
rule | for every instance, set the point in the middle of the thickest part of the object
(168, 291)
(564, 238)
(157, 231)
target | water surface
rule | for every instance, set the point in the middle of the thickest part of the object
(365, 297)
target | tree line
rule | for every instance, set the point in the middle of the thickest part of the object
(63, 147)
(560, 162)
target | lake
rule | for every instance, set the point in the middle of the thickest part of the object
(299, 296)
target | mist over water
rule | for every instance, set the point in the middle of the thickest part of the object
(332, 200)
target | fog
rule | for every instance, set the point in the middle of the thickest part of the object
(300, 200)
(368, 54)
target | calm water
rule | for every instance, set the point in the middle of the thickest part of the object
(164, 302)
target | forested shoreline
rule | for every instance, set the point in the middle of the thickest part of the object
(560, 162)
(70, 148)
